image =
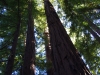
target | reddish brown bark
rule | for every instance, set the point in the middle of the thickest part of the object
(65, 57)
(29, 56)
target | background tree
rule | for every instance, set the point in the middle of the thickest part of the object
(50, 70)
(29, 56)
(10, 62)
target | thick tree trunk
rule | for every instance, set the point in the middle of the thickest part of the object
(50, 70)
(29, 56)
(10, 62)
(65, 57)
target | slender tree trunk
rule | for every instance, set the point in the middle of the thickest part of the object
(94, 34)
(50, 70)
(92, 25)
(93, 29)
(29, 56)
(66, 59)
(10, 62)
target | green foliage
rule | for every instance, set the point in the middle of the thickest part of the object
(79, 30)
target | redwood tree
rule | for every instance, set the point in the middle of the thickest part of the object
(66, 59)
(9, 67)
(29, 56)
(50, 70)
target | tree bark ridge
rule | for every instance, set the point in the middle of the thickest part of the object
(65, 57)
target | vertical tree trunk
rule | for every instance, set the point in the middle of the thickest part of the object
(65, 57)
(10, 62)
(29, 56)
(50, 70)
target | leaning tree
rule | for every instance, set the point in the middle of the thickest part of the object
(66, 59)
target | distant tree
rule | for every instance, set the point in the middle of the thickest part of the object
(92, 25)
(94, 34)
(10, 63)
(29, 56)
(50, 70)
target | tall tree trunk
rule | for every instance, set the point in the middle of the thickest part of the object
(10, 62)
(29, 56)
(65, 57)
(50, 70)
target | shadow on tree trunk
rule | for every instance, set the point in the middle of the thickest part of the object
(66, 59)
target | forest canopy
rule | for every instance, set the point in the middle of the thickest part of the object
(19, 18)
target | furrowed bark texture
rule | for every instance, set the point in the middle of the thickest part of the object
(66, 59)
(29, 56)
(10, 63)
